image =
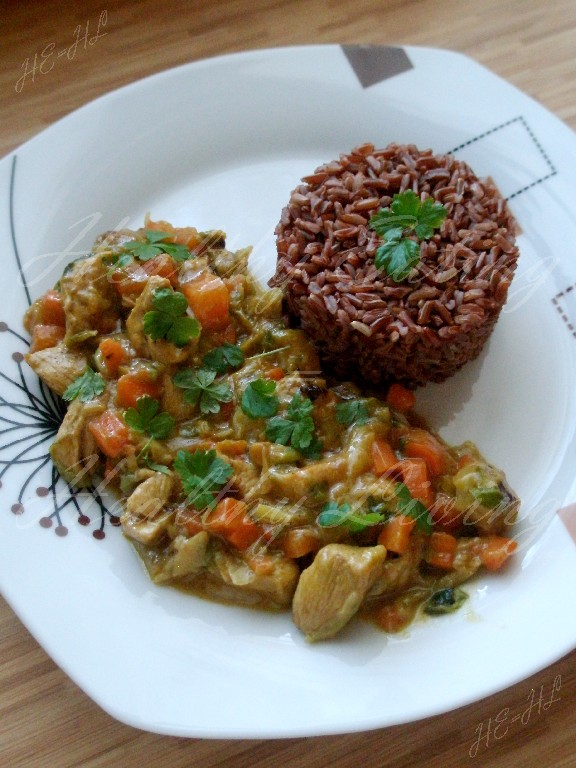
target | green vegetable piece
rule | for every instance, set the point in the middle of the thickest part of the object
(398, 258)
(168, 319)
(334, 514)
(297, 429)
(406, 505)
(408, 217)
(223, 358)
(203, 475)
(445, 601)
(155, 245)
(258, 399)
(352, 412)
(202, 389)
(86, 387)
(146, 419)
(489, 496)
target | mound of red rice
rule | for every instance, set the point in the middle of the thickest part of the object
(365, 325)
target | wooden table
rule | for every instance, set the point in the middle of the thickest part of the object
(45, 720)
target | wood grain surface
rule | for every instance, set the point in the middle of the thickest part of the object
(45, 720)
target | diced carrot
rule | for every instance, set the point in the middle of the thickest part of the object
(395, 535)
(464, 460)
(163, 265)
(209, 299)
(441, 550)
(495, 550)
(297, 542)
(190, 519)
(416, 479)
(187, 236)
(418, 443)
(113, 354)
(400, 398)
(230, 519)
(383, 456)
(219, 337)
(46, 336)
(232, 447)
(131, 280)
(110, 432)
(133, 385)
(261, 563)
(444, 512)
(52, 309)
(275, 374)
(395, 616)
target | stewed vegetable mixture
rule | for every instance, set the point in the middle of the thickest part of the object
(244, 474)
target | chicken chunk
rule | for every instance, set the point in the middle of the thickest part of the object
(160, 350)
(332, 589)
(74, 450)
(272, 588)
(191, 556)
(89, 298)
(146, 518)
(57, 366)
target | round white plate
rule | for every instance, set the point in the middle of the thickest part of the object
(220, 144)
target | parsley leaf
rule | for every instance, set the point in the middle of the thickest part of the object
(155, 245)
(168, 319)
(407, 217)
(202, 389)
(258, 399)
(352, 412)
(413, 508)
(222, 358)
(203, 475)
(86, 387)
(334, 514)
(145, 418)
(445, 601)
(397, 258)
(297, 429)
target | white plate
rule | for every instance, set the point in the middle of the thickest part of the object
(221, 143)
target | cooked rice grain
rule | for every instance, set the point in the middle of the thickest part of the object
(364, 324)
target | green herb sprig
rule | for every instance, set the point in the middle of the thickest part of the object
(203, 475)
(168, 319)
(202, 389)
(408, 217)
(407, 505)
(154, 245)
(145, 418)
(297, 428)
(86, 387)
(352, 412)
(334, 514)
(226, 357)
(258, 399)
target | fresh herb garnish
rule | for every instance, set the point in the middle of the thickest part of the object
(407, 217)
(334, 514)
(297, 428)
(86, 387)
(259, 401)
(203, 475)
(202, 389)
(411, 507)
(352, 412)
(445, 601)
(222, 358)
(168, 319)
(155, 245)
(146, 419)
